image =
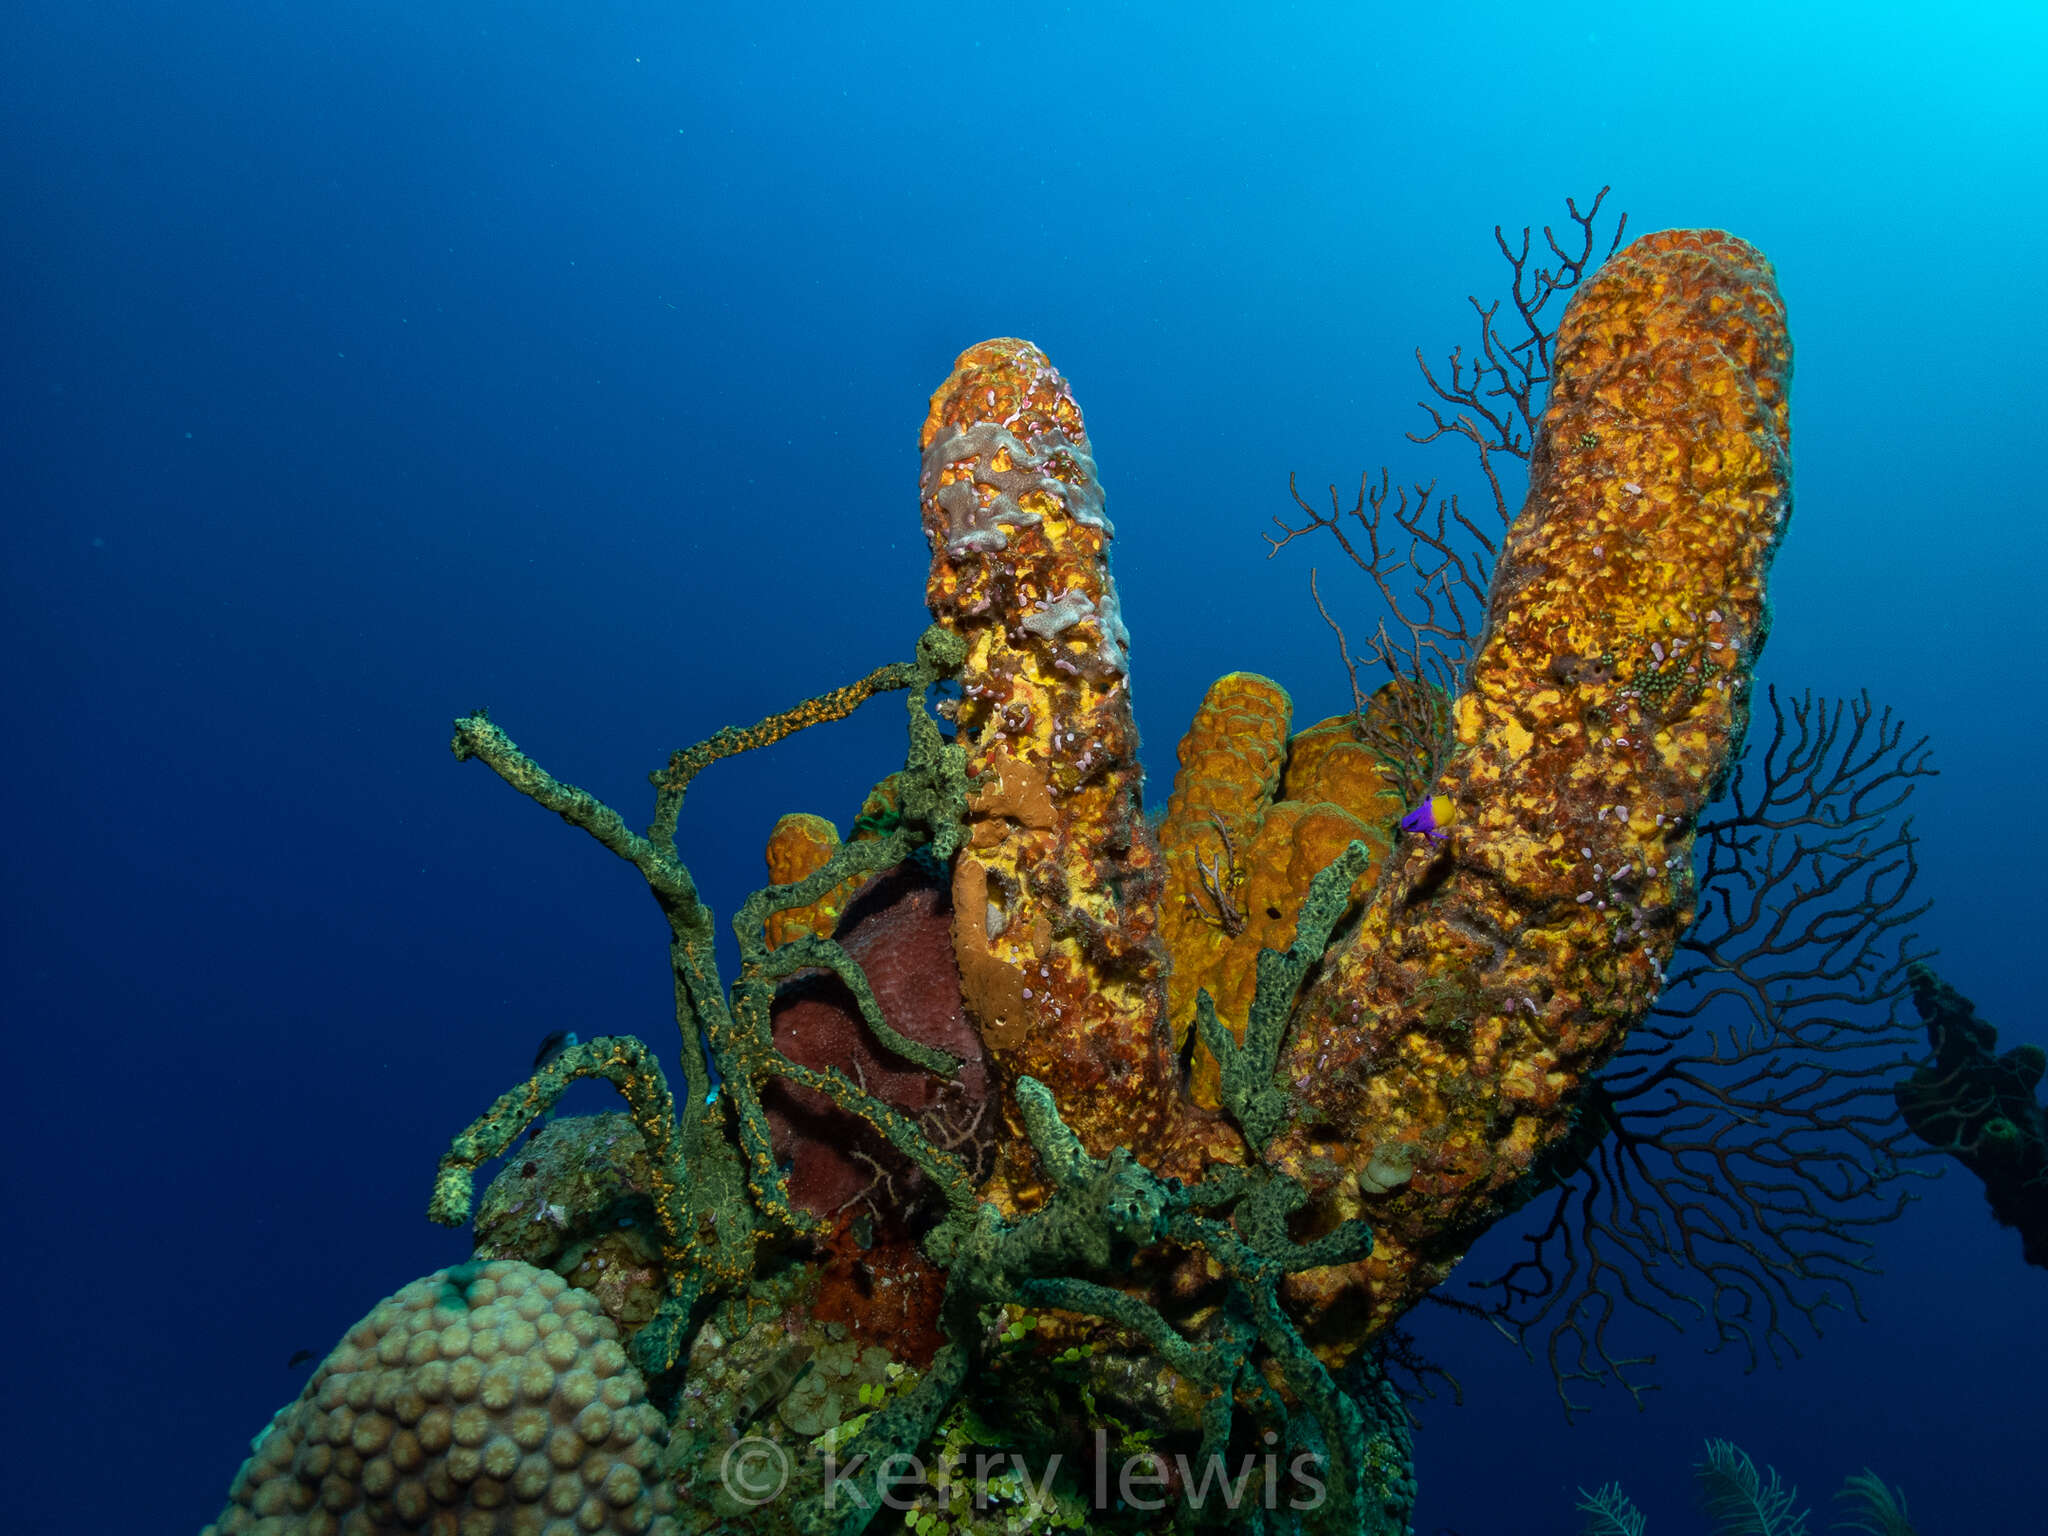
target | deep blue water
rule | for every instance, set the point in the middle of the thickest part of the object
(368, 364)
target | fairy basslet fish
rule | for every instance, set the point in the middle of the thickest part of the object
(1431, 819)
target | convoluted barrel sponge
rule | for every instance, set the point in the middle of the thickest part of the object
(488, 1398)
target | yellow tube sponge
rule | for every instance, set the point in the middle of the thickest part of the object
(1503, 960)
(1253, 818)
(1055, 895)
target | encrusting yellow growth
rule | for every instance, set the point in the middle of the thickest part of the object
(1254, 817)
(1055, 895)
(1500, 964)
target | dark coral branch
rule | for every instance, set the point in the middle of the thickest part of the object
(1412, 546)
(1431, 563)
(1514, 366)
(1222, 880)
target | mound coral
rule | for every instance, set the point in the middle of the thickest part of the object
(492, 1398)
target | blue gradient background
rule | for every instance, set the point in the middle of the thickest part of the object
(368, 364)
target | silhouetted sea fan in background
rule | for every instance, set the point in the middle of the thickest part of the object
(1735, 1156)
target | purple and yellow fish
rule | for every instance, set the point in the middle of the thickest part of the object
(1431, 819)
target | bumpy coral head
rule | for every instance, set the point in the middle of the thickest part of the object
(492, 1398)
